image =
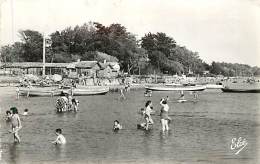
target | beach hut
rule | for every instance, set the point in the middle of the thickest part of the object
(87, 68)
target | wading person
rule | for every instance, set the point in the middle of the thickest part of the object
(195, 95)
(15, 124)
(147, 114)
(60, 138)
(70, 105)
(164, 115)
(75, 104)
(181, 96)
(122, 96)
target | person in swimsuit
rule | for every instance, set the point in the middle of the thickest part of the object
(164, 115)
(60, 138)
(182, 96)
(75, 104)
(147, 115)
(122, 96)
(69, 107)
(117, 125)
(15, 124)
(65, 108)
(195, 95)
(8, 116)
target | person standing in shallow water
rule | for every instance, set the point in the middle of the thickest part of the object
(60, 138)
(147, 114)
(164, 115)
(15, 124)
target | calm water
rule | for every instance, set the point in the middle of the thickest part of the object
(201, 132)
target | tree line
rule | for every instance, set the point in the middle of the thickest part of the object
(153, 53)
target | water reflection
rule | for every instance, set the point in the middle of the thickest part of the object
(14, 153)
(59, 151)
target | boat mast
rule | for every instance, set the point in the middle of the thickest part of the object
(43, 56)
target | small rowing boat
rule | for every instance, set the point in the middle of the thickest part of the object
(240, 90)
(88, 90)
(38, 91)
(171, 88)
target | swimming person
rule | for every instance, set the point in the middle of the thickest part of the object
(117, 125)
(60, 138)
(15, 124)
(147, 115)
(164, 115)
(25, 113)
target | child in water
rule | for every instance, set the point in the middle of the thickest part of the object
(8, 116)
(117, 125)
(75, 104)
(15, 124)
(143, 124)
(60, 138)
(25, 113)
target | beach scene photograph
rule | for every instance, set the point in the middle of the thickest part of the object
(129, 81)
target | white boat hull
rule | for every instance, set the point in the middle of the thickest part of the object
(167, 88)
(86, 91)
(214, 86)
(38, 91)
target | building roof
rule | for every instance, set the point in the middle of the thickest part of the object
(105, 65)
(33, 65)
(85, 64)
(81, 64)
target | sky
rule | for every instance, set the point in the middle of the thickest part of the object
(219, 30)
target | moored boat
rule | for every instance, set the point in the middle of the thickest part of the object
(173, 84)
(241, 90)
(214, 86)
(88, 90)
(38, 91)
(182, 88)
